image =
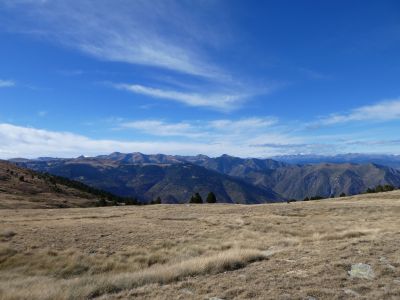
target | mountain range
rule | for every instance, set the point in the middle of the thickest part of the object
(359, 158)
(234, 180)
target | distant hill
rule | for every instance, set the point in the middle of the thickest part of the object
(23, 188)
(293, 181)
(236, 166)
(240, 180)
(392, 161)
(325, 180)
(173, 182)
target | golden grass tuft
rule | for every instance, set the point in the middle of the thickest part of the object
(39, 287)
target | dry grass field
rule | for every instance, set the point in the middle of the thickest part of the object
(275, 251)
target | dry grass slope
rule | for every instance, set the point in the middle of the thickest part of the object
(275, 251)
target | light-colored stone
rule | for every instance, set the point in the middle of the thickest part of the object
(351, 292)
(386, 263)
(187, 291)
(362, 271)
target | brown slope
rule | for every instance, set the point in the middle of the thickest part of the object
(23, 188)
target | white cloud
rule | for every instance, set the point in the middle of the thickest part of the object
(165, 34)
(234, 134)
(6, 83)
(214, 130)
(224, 102)
(18, 141)
(160, 128)
(383, 111)
(168, 35)
(243, 124)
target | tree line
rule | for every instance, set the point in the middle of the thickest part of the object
(380, 189)
(197, 199)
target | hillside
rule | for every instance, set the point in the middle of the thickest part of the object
(173, 183)
(325, 180)
(23, 188)
(303, 250)
(233, 179)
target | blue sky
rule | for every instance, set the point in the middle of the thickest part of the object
(247, 78)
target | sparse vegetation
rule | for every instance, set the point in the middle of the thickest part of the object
(157, 201)
(26, 188)
(251, 252)
(114, 199)
(381, 188)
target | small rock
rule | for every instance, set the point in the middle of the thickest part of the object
(351, 292)
(385, 262)
(187, 291)
(362, 271)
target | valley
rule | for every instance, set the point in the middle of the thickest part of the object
(234, 180)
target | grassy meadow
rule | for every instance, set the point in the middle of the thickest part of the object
(300, 250)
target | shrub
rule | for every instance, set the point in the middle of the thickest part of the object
(101, 202)
(131, 201)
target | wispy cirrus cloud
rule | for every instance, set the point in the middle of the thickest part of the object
(161, 128)
(163, 34)
(244, 124)
(212, 130)
(219, 101)
(382, 111)
(166, 36)
(7, 83)
(301, 148)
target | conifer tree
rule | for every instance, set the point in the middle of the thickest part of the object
(211, 198)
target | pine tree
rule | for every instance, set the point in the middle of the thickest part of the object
(211, 198)
(196, 199)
